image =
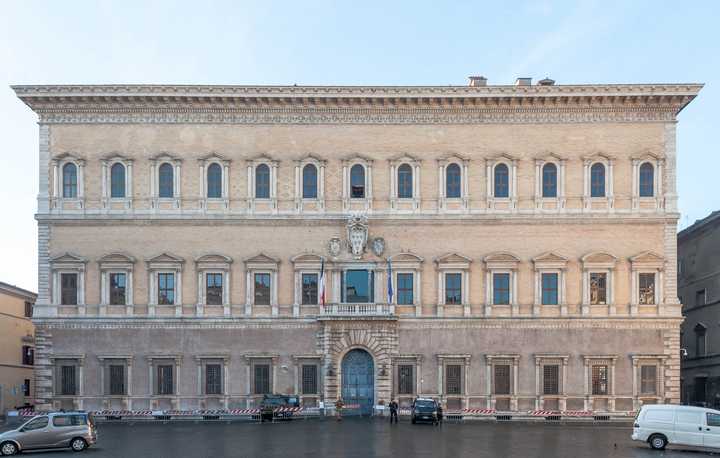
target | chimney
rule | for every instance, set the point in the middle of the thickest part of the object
(546, 82)
(523, 82)
(476, 81)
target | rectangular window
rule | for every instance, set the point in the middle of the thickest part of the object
(551, 379)
(262, 289)
(406, 379)
(599, 380)
(213, 379)
(648, 380)
(68, 382)
(501, 289)
(502, 378)
(700, 341)
(358, 287)
(166, 288)
(262, 379)
(28, 309)
(405, 289)
(700, 297)
(453, 288)
(598, 288)
(549, 288)
(165, 383)
(68, 289)
(647, 288)
(309, 379)
(28, 355)
(453, 379)
(309, 289)
(118, 287)
(26, 387)
(117, 379)
(214, 289)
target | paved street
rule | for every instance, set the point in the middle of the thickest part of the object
(367, 438)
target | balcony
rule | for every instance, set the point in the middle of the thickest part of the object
(357, 310)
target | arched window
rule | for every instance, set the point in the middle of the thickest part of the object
(117, 180)
(309, 182)
(262, 182)
(597, 180)
(453, 181)
(405, 182)
(647, 180)
(502, 182)
(214, 181)
(69, 180)
(357, 182)
(166, 181)
(549, 180)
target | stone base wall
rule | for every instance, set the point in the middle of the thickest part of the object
(428, 344)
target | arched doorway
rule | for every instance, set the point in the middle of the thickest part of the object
(358, 380)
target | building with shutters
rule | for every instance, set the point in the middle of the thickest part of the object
(509, 247)
(17, 347)
(699, 292)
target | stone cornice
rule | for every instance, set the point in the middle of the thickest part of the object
(425, 323)
(356, 104)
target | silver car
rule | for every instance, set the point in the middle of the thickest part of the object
(75, 430)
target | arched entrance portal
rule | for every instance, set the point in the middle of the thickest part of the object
(358, 380)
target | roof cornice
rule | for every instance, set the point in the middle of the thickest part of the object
(6, 288)
(356, 104)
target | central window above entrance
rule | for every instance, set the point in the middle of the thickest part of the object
(357, 286)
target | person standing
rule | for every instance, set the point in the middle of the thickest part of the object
(338, 408)
(393, 411)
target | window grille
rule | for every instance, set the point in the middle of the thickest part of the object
(117, 379)
(502, 378)
(262, 379)
(165, 379)
(406, 379)
(453, 381)
(68, 382)
(600, 380)
(648, 379)
(213, 379)
(309, 379)
(551, 379)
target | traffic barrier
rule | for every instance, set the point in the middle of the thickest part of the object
(479, 412)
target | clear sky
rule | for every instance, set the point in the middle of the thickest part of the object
(348, 43)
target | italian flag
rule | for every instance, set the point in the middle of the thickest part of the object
(321, 286)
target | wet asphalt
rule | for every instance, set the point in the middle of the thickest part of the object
(361, 438)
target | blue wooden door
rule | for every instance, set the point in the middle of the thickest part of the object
(358, 381)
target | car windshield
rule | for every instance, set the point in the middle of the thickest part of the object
(274, 401)
(424, 405)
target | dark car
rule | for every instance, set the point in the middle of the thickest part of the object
(424, 410)
(271, 402)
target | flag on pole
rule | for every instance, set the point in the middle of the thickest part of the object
(321, 286)
(389, 283)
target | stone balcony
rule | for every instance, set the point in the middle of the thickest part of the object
(357, 311)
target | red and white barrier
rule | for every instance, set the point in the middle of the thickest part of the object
(544, 413)
(479, 411)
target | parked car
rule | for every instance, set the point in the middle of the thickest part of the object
(424, 409)
(75, 430)
(662, 424)
(271, 402)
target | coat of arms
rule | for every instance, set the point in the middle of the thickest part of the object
(357, 235)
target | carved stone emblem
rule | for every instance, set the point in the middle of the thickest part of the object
(357, 235)
(334, 247)
(378, 246)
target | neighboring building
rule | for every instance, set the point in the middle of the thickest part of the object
(17, 347)
(699, 291)
(531, 231)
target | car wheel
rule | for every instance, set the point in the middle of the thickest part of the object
(8, 448)
(658, 441)
(78, 444)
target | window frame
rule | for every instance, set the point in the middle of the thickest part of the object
(73, 187)
(270, 288)
(454, 165)
(303, 301)
(217, 183)
(125, 288)
(112, 169)
(504, 187)
(306, 385)
(549, 188)
(399, 288)
(460, 288)
(594, 185)
(304, 186)
(352, 196)
(643, 186)
(407, 183)
(162, 181)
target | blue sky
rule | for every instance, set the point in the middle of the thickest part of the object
(401, 42)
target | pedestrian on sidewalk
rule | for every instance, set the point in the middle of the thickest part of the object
(439, 413)
(393, 411)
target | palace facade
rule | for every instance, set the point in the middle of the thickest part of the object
(509, 247)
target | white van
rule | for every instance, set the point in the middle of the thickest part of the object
(663, 424)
